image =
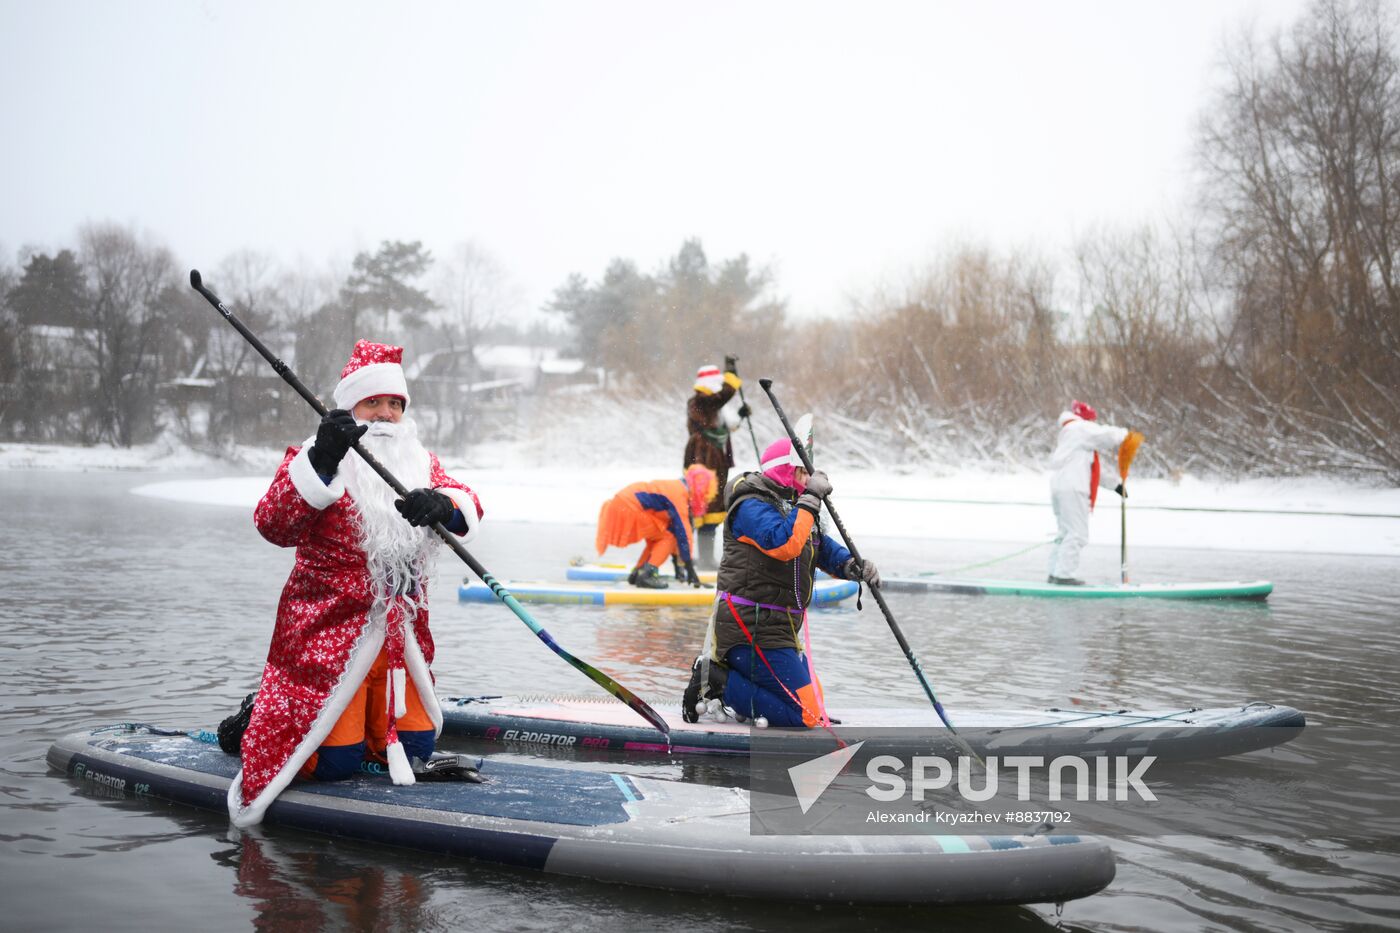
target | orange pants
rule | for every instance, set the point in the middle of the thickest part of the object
(658, 549)
(358, 735)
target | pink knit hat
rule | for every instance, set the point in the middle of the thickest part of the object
(374, 369)
(780, 463)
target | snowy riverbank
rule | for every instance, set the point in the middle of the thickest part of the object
(1299, 515)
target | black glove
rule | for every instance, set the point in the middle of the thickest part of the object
(729, 363)
(425, 507)
(818, 485)
(691, 576)
(861, 570)
(338, 431)
(745, 411)
(1121, 490)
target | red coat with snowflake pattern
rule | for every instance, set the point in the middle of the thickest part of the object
(324, 640)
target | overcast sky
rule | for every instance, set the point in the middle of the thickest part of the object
(841, 143)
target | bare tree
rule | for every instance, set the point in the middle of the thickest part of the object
(472, 291)
(972, 327)
(122, 328)
(1142, 339)
(246, 398)
(1301, 155)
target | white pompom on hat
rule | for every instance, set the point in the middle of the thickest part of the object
(374, 369)
(709, 378)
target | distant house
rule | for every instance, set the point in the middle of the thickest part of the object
(494, 373)
(569, 375)
(190, 388)
(66, 353)
(538, 369)
(228, 372)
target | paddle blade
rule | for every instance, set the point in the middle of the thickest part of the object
(1127, 451)
(803, 430)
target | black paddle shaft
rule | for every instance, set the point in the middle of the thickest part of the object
(909, 655)
(758, 455)
(767, 385)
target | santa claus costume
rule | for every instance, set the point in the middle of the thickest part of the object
(357, 593)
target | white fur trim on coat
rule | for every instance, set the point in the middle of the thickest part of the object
(400, 771)
(362, 658)
(400, 679)
(467, 506)
(308, 482)
(417, 668)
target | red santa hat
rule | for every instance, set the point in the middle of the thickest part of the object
(374, 369)
(709, 378)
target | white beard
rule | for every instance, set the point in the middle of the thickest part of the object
(398, 554)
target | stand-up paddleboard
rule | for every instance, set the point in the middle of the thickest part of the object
(609, 827)
(618, 594)
(604, 723)
(1256, 589)
(614, 573)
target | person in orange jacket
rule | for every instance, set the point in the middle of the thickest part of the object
(661, 513)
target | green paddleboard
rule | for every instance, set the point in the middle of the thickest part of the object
(1256, 589)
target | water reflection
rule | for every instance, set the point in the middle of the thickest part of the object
(293, 882)
(298, 887)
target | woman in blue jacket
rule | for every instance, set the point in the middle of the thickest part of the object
(773, 545)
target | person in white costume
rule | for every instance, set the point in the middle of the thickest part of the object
(1075, 476)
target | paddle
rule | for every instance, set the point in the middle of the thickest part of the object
(797, 445)
(1123, 538)
(1126, 452)
(283, 370)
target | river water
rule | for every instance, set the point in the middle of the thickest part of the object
(118, 607)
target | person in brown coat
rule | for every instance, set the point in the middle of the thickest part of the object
(708, 424)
